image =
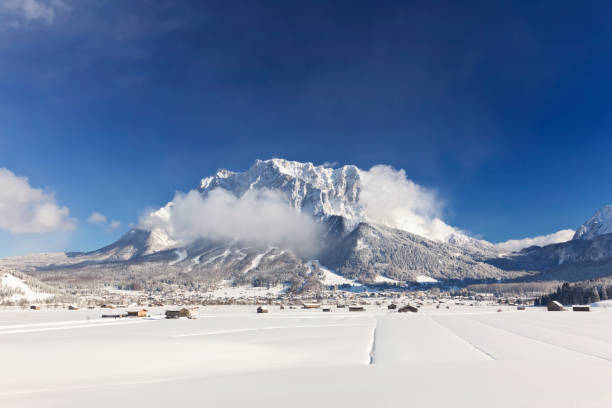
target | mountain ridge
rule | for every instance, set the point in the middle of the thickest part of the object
(355, 246)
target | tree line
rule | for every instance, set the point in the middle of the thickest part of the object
(576, 294)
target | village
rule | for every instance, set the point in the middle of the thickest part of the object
(325, 300)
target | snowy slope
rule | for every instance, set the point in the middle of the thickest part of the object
(15, 289)
(600, 223)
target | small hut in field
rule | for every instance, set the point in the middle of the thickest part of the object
(34, 307)
(175, 314)
(581, 308)
(262, 309)
(137, 313)
(356, 309)
(407, 308)
(72, 307)
(554, 306)
(311, 305)
(392, 306)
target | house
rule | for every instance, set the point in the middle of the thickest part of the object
(175, 314)
(311, 305)
(555, 306)
(137, 313)
(407, 308)
(581, 308)
(33, 307)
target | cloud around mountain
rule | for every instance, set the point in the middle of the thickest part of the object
(278, 202)
(390, 198)
(513, 245)
(258, 217)
(254, 207)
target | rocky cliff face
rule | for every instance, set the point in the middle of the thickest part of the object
(599, 224)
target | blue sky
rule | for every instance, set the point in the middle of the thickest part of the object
(502, 108)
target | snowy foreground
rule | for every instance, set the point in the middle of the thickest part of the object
(232, 357)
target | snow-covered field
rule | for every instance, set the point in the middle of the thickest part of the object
(232, 357)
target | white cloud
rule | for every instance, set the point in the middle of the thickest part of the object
(28, 210)
(554, 238)
(19, 11)
(96, 218)
(259, 218)
(388, 197)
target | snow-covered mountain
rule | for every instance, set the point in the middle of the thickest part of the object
(600, 223)
(322, 193)
(319, 191)
(403, 242)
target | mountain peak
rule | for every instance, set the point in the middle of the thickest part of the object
(600, 223)
(319, 191)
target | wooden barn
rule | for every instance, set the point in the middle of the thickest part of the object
(175, 314)
(407, 308)
(311, 305)
(137, 313)
(555, 306)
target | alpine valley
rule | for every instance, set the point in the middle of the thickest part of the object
(353, 244)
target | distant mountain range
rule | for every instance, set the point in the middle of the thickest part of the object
(352, 244)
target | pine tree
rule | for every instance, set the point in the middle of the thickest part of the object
(578, 298)
(603, 293)
(595, 295)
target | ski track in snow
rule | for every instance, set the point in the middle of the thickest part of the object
(481, 351)
(255, 329)
(71, 327)
(372, 353)
(548, 343)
